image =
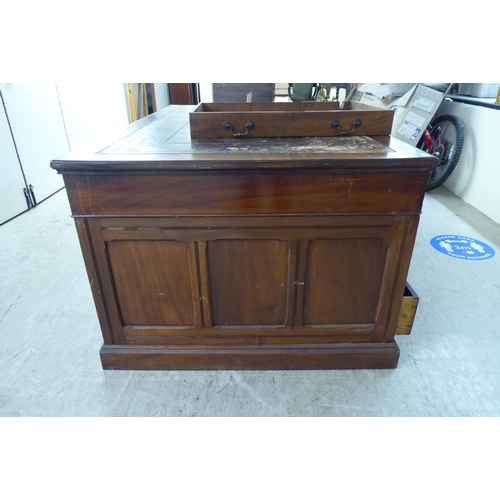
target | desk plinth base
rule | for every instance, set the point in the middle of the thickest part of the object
(290, 357)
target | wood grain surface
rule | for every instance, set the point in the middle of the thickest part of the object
(281, 253)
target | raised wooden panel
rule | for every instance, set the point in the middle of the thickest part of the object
(343, 280)
(154, 282)
(248, 281)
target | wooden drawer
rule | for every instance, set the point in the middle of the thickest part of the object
(247, 192)
(289, 119)
(407, 312)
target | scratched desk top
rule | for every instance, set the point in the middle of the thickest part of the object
(163, 140)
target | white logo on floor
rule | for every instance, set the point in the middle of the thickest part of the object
(462, 247)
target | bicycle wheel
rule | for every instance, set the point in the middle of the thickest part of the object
(447, 134)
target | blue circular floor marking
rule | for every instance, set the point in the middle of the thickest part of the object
(462, 247)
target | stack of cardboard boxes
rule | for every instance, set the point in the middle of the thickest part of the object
(414, 107)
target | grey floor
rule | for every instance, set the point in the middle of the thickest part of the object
(50, 338)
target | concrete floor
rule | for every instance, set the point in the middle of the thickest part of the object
(50, 338)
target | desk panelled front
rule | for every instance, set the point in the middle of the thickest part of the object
(245, 253)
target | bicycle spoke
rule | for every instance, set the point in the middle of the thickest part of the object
(447, 135)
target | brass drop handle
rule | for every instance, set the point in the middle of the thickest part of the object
(227, 125)
(355, 124)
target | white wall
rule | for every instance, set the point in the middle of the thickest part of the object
(38, 131)
(91, 110)
(162, 95)
(206, 92)
(476, 179)
(48, 120)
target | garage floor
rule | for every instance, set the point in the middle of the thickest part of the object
(50, 338)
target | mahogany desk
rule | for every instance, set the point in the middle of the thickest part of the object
(282, 253)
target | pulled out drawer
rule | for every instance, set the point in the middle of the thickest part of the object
(288, 119)
(407, 312)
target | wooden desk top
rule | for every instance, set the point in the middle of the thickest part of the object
(162, 141)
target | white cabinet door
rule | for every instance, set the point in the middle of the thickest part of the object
(12, 185)
(38, 128)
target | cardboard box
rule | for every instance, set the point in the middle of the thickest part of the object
(374, 94)
(414, 111)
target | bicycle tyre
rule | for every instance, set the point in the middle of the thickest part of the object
(442, 171)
